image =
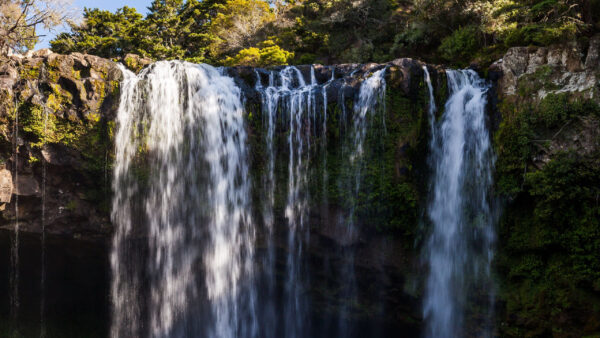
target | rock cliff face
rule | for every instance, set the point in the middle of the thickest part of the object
(56, 116)
(548, 169)
(56, 148)
(572, 68)
(56, 145)
(57, 120)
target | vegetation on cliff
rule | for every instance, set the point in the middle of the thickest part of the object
(549, 255)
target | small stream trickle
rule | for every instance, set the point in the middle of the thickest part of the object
(14, 252)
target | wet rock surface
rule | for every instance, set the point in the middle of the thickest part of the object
(56, 115)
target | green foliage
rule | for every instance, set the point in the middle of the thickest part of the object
(544, 22)
(171, 29)
(460, 46)
(269, 55)
(540, 34)
(326, 31)
(552, 250)
(524, 125)
(550, 229)
(103, 33)
(238, 24)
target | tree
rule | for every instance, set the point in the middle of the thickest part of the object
(103, 33)
(165, 30)
(238, 24)
(269, 54)
(20, 19)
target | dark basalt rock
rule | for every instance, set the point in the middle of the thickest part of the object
(79, 94)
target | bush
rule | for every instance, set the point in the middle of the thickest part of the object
(460, 47)
(269, 54)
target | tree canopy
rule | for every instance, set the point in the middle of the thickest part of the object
(257, 32)
(21, 19)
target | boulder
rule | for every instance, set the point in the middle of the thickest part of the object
(6, 186)
(26, 185)
(556, 69)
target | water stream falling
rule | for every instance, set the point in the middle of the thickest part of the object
(14, 252)
(460, 248)
(184, 261)
(432, 108)
(43, 240)
(370, 101)
(181, 197)
(290, 102)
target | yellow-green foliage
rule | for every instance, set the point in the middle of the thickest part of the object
(236, 22)
(58, 99)
(76, 74)
(269, 54)
(44, 126)
(29, 71)
(132, 63)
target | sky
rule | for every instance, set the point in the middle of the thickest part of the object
(111, 5)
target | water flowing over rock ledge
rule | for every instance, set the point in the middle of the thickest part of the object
(65, 107)
(80, 93)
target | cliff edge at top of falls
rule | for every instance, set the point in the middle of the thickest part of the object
(65, 106)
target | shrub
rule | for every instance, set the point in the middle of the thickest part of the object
(460, 47)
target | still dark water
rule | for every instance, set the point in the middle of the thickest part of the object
(77, 284)
(78, 293)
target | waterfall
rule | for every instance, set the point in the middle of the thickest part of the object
(14, 252)
(181, 207)
(295, 100)
(43, 240)
(370, 101)
(459, 249)
(431, 109)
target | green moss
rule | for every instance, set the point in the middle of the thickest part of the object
(132, 63)
(531, 84)
(29, 71)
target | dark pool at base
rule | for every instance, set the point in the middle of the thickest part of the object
(77, 293)
(77, 287)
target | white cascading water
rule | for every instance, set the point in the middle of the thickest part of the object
(432, 108)
(14, 250)
(370, 96)
(289, 95)
(291, 104)
(459, 250)
(43, 240)
(370, 100)
(181, 207)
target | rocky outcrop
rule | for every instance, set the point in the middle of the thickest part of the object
(56, 120)
(548, 146)
(569, 73)
(568, 68)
